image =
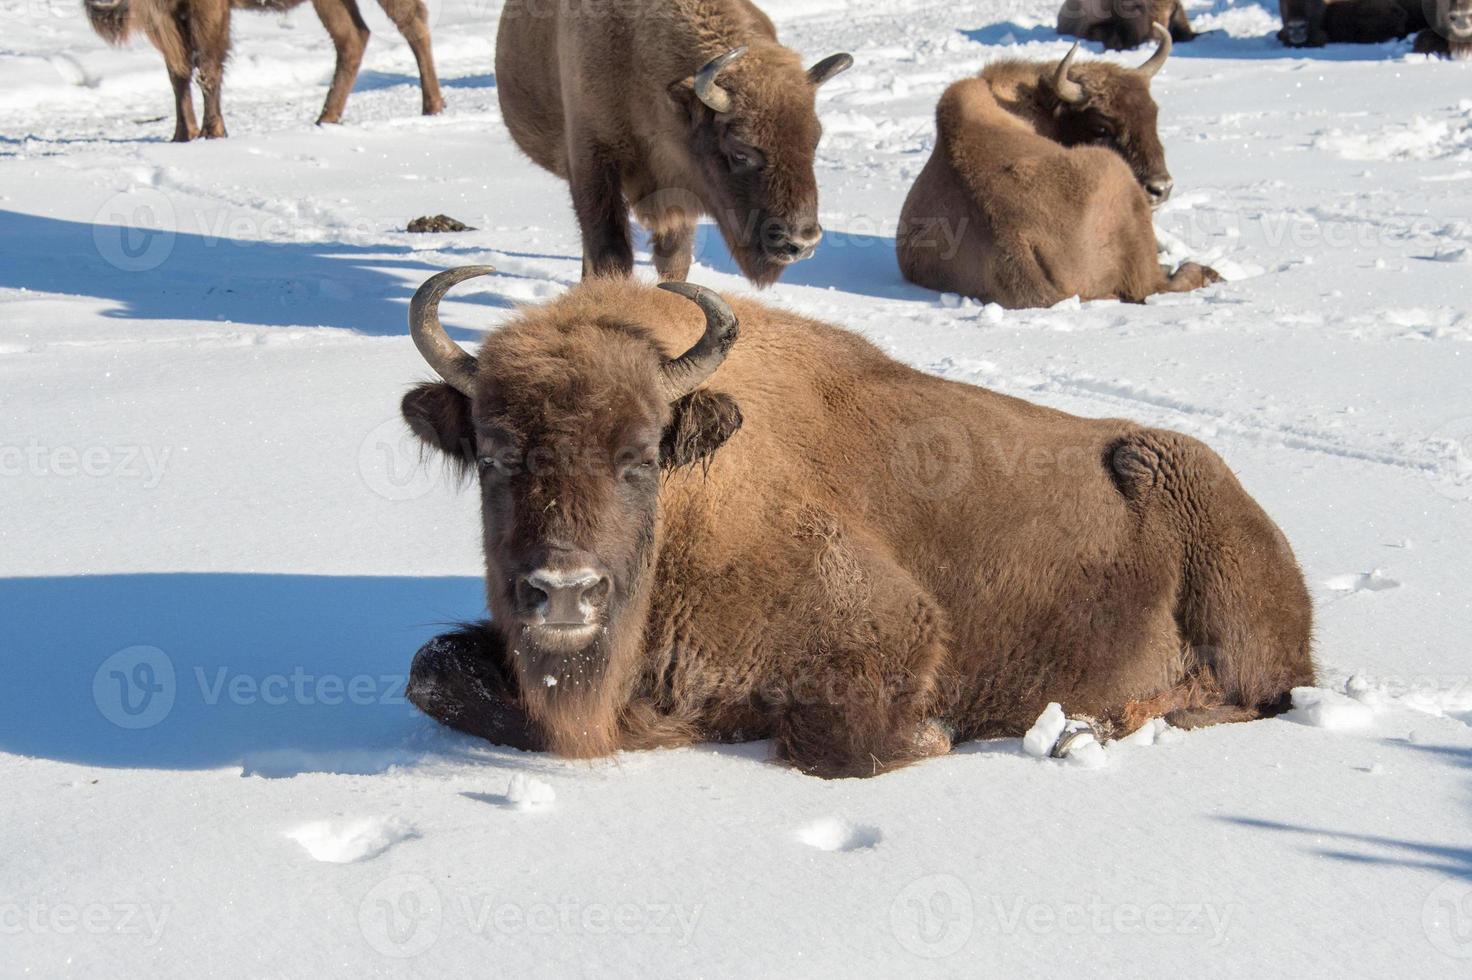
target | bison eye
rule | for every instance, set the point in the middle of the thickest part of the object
(501, 464)
(636, 464)
(743, 159)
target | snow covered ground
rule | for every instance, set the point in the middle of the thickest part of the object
(219, 551)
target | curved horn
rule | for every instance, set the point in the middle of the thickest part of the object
(449, 360)
(683, 374)
(706, 89)
(1064, 87)
(832, 65)
(1156, 61)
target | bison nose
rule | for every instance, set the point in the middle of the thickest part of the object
(1159, 189)
(562, 597)
(792, 245)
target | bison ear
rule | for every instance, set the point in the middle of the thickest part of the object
(440, 416)
(703, 421)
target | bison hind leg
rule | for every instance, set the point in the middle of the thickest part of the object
(1242, 609)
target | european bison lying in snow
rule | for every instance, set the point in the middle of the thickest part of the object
(680, 107)
(1444, 26)
(1450, 31)
(1041, 185)
(795, 537)
(1120, 24)
(194, 35)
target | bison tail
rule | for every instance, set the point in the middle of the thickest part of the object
(111, 19)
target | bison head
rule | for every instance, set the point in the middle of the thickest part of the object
(568, 419)
(1452, 19)
(753, 133)
(1103, 104)
(1116, 24)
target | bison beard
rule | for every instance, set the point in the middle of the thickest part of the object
(795, 587)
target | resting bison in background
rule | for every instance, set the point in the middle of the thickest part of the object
(1120, 24)
(1444, 26)
(194, 35)
(792, 536)
(680, 107)
(1041, 185)
(1450, 30)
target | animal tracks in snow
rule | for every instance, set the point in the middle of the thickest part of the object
(1372, 581)
(346, 842)
(833, 834)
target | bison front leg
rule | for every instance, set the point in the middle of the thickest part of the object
(460, 679)
(867, 697)
(673, 251)
(603, 214)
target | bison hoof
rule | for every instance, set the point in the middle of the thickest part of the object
(933, 738)
(1079, 741)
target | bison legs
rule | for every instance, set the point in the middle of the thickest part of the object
(460, 679)
(349, 35)
(603, 214)
(209, 36)
(171, 37)
(863, 698)
(411, 17)
(673, 251)
(1242, 608)
(1180, 24)
(1189, 276)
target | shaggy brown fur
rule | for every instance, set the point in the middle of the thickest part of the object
(1028, 200)
(601, 95)
(1121, 24)
(194, 36)
(858, 560)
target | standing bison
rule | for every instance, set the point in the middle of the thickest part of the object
(690, 536)
(1120, 24)
(682, 107)
(194, 37)
(1041, 187)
